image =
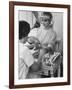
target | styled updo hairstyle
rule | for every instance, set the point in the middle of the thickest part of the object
(24, 29)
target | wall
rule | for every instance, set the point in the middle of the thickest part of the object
(58, 23)
(4, 45)
(26, 16)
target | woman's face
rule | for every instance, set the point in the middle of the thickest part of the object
(45, 20)
(33, 42)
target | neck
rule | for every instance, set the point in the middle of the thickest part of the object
(45, 28)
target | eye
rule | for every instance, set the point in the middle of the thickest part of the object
(29, 41)
(44, 19)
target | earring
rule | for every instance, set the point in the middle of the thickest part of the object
(52, 22)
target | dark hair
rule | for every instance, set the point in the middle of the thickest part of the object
(36, 25)
(24, 29)
(48, 14)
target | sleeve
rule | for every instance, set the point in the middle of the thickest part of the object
(27, 57)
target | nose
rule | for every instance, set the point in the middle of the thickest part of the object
(42, 22)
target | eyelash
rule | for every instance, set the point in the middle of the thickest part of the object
(45, 20)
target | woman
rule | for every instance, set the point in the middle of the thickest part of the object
(45, 33)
